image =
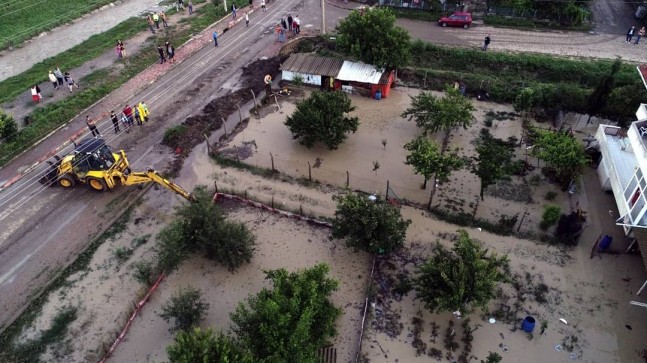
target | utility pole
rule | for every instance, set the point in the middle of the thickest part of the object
(323, 16)
(225, 4)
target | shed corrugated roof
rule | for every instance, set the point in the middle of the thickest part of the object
(359, 72)
(311, 64)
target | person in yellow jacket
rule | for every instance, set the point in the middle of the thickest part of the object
(143, 111)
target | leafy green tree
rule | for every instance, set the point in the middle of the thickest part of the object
(432, 113)
(373, 38)
(170, 249)
(600, 95)
(186, 308)
(460, 279)
(561, 151)
(205, 228)
(426, 159)
(291, 321)
(552, 214)
(8, 126)
(204, 346)
(320, 118)
(494, 160)
(371, 226)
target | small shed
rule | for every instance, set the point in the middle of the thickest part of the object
(362, 75)
(312, 69)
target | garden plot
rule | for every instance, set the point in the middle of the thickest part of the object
(306, 246)
(549, 285)
(367, 163)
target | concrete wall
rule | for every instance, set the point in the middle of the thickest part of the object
(311, 79)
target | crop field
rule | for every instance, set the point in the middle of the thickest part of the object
(23, 19)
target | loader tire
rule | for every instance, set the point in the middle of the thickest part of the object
(97, 184)
(66, 181)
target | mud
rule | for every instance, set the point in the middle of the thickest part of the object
(212, 115)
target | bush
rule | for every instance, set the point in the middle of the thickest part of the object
(143, 272)
(551, 215)
(174, 135)
(203, 346)
(186, 308)
(170, 248)
(8, 127)
(550, 195)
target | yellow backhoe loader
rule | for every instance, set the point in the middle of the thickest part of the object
(93, 163)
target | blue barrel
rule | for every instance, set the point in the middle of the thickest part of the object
(605, 242)
(528, 324)
(378, 95)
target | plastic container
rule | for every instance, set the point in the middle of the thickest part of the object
(378, 95)
(605, 242)
(528, 324)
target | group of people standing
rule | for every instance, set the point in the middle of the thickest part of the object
(632, 32)
(58, 79)
(170, 52)
(129, 115)
(155, 20)
(288, 24)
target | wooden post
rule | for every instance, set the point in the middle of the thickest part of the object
(240, 113)
(237, 156)
(245, 193)
(215, 185)
(272, 159)
(347, 179)
(309, 172)
(254, 97)
(387, 191)
(300, 209)
(272, 201)
(224, 125)
(277, 104)
(432, 193)
(208, 144)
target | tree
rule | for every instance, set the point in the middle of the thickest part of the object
(372, 37)
(371, 226)
(203, 346)
(205, 228)
(460, 279)
(427, 160)
(600, 95)
(320, 118)
(8, 126)
(561, 151)
(291, 321)
(432, 113)
(186, 308)
(494, 160)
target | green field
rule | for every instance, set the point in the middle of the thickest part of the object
(24, 19)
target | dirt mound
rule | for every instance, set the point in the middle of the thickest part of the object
(210, 119)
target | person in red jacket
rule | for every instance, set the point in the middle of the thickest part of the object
(128, 112)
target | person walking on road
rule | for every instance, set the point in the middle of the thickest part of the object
(263, 6)
(137, 115)
(59, 75)
(246, 19)
(641, 33)
(630, 34)
(92, 126)
(290, 22)
(297, 22)
(284, 24)
(163, 17)
(215, 38)
(160, 50)
(180, 5)
(120, 49)
(233, 11)
(190, 7)
(70, 81)
(143, 111)
(486, 42)
(150, 24)
(115, 121)
(52, 78)
(124, 120)
(170, 52)
(128, 112)
(156, 19)
(35, 94)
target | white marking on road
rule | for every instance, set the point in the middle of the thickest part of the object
(9, 276)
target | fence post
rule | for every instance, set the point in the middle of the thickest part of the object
(300, 210)
(309, 172)
(215, 185)
(387, 191)
(347, 179)
(237, 156)
(224, 125)
(245, 194)
(240, 113)
(272, 159)
(277, 104)
(272, 201)
(208, 144)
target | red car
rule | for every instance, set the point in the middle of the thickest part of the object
(456, 19)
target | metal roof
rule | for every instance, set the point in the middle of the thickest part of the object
(312, 64)
(359, 72)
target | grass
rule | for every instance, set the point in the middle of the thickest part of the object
(417, 14)
(49, 117)
(23, 19)
(12, 353)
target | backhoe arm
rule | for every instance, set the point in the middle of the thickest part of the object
(152, 176)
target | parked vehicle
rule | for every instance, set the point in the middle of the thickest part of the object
(456, 19)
